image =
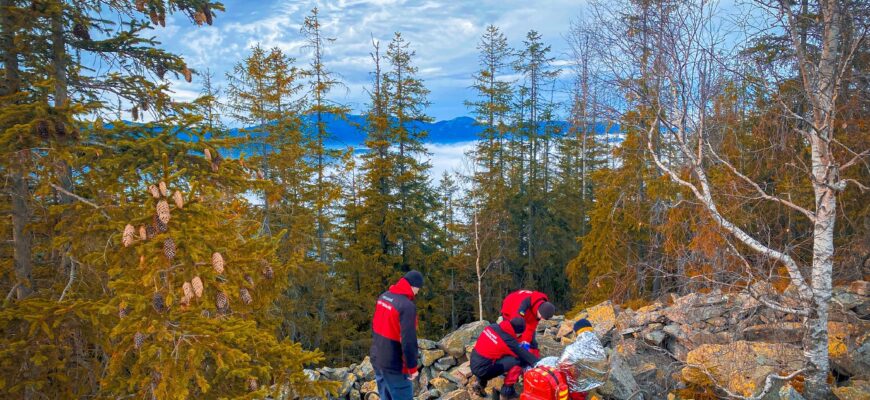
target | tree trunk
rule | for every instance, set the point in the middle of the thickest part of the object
(21, 239)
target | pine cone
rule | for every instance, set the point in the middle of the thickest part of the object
(222, 302)
(252, 384)
(196, 285)
(188, 76)
(138, 339)
(249, 280)
(140, 5)
(129, 235)
(217, 261)
(199, 18)
(158, 303)
(178, 198)
(187, 289)
(163, 189)
(154, 191)
(143, 233)
(163, 211)
(81, 31)
(159, 226)
(268, 272)
(169, 248)
(151, 231)
(208, 155)
(245, 296)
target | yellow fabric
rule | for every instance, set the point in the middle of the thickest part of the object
(584, 329)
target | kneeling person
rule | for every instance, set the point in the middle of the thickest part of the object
(498, 351)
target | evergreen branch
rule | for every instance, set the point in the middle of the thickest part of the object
(79, 198)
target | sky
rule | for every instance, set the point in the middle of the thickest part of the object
(444, 35)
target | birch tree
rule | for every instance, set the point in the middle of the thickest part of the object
(680, 76)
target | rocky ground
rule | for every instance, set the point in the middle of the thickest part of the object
(667, 350)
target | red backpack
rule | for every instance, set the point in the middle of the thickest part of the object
(544, 383)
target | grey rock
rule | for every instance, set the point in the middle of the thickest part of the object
(426, 344)
(454, 343)
(444, 363)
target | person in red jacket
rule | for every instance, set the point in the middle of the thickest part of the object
(532, 307)
(394, 339)
(498, 351)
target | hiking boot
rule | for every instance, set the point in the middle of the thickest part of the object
(508, 392)
(479, 388)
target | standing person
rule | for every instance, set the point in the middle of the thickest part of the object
(496, 352)
(394, 339)
(531, 306)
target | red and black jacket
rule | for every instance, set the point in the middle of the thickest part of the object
(394, 330)
(524, 303)
(497, 341)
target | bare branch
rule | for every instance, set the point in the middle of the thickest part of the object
(79, 198)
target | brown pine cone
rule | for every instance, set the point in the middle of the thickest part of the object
(222, 302)
(245, 295)
(217, 261)
(196, 285)
(163, 211)
(178, 198)
(169, 248)
(129, 235)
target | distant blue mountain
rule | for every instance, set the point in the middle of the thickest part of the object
(350, 131)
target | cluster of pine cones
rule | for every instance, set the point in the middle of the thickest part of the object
(189, 289)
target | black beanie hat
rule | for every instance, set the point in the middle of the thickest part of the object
(582, 323)
(518, 324)
(415, 278)
(547, 310)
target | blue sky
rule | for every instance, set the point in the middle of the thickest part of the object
(444, 35)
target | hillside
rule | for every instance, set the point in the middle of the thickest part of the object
(681, 347)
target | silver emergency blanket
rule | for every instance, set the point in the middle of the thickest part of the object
(584, 363)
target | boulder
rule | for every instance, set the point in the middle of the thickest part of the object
(602, 317)
(365, 369)
(777, 332)
(848, 347)
(443, 385)
(856, 390)
(346, 385)
(620, 381)
(462, 373)
(458, 394)
(454, 343)
(549, 346)
(786, 392)
(425, 344)
(444, 363)
(654, 337)
(369, 387)
(428, 357)
(686, 313)
(741, 366)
